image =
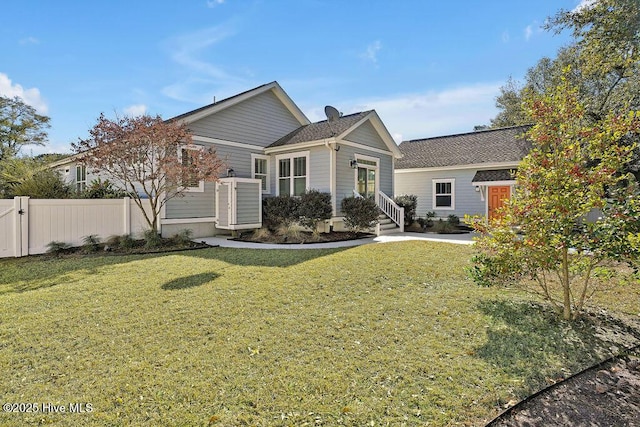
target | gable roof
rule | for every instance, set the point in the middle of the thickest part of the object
(338, 129)
(199, 113)
(320, 130)
(487, 146)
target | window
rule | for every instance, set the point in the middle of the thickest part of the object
(81, 178)
(292, 174)
(260, 170)
(444, 194)
(189, 177)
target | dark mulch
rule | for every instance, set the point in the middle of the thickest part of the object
(137, 247)
(302, 237)
(607, 394)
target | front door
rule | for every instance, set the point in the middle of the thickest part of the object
(366, 182)
(497, 196)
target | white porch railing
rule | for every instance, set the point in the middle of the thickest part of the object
(391, 209)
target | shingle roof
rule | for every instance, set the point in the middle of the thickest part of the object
(488, 146)
(493, 175)
(320, 130)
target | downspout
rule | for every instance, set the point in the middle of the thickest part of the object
(332, 179)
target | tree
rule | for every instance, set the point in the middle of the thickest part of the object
(604, 60)
(575, 165)
(20, 125)
(148, 157)
(25, 176)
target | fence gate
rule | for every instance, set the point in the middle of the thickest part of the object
(14, 227)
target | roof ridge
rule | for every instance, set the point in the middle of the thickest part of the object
(343, 117)
(468, 133)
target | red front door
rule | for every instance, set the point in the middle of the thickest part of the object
(497, 196)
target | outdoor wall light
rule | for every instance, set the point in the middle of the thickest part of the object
(231, 173)
(353, 164)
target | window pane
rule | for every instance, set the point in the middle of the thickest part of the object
(260, 166)
(300, 184)
(285, 167)
(285, 186)
(443, 201)
(300, 166)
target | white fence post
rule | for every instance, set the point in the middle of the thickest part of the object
(21, 228)
(127, 215)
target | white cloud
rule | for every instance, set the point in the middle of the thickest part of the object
(584, 4)
(189, 51)
(428, 114)
(505, 36)
(29, 40)
(135, 110)
(213, 3)
(528, 32)
(371, 53)
(29, 96)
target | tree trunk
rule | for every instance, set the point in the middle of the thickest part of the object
(566, 313)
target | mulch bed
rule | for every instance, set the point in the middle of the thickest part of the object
(607, 394)
(138, 247)
(302, 237)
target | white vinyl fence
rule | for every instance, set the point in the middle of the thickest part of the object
(28, 225)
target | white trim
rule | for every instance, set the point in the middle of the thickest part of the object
(493, 183)
(435, 181)
(188, 220)
(479, 166)
(255, 156)
(309, 144)
(224, 142)
(382, 131)
(291, 156)
(200, 187)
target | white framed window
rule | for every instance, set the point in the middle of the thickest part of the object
(444, 194)
(185, 156)
(81, 178)
(260, 170)
(293, 173)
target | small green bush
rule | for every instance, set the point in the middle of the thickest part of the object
(152, 239)
(280, 210)
(91, 243)
(44, 184)
(98, 189)
(360, 213)
(314, 208)
(453, 220)
(409, 202)
(126, 241)
(182, 237)
(57, 248)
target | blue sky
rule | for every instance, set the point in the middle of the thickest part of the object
(428, 68)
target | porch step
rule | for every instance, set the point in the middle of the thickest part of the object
(386, 225)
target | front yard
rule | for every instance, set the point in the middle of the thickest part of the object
(381, 334)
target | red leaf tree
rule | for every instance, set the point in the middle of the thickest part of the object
(151, 158)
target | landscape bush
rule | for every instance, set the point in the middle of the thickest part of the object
(314, 207)
(280, 210)
(409, 202)
(98, 189)
(360, 213)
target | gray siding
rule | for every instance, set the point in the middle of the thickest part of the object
(198, 205)
(467, 200)
(248, 203)
(346, 176)
(223, 198)
(320, 169)
(366, 134)
(260, 120)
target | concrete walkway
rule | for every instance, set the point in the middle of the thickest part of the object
(226, 242)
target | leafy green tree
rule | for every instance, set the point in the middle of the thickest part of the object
(43, 184)
(574, 167)
(20, 125)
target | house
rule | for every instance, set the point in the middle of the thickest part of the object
(271, 148)
(470, 173)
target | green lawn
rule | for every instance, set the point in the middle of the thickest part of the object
(385, 334)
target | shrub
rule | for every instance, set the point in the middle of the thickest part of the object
(409, 202)
(443, 227)
(360, 213)
(91, 243)
(453, 220)
(280, 210)
(57, 248)
(126, 241)
(99, 189)
(44, 184)
(152, 239)
(314, 207)
(182, 237)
